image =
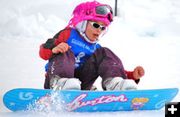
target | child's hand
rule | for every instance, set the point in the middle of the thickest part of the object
(61, 48)
(138, 72)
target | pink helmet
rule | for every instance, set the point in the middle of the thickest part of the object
(91, 11)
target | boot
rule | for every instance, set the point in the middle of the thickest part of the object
(58, 83)
(119, 83)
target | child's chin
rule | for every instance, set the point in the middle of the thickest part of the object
(95, 38)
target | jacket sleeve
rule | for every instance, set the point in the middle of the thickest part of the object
(129, 75)
(45, 51)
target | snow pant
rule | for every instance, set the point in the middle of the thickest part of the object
(103, 63)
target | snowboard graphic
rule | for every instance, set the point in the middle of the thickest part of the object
(88, 101)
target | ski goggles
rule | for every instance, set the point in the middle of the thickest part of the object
(104, 11)
(96, 25)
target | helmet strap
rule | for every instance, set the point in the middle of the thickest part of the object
(87, 39)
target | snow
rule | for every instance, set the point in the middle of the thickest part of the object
(146, 34)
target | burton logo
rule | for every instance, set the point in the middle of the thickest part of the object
(80, 101)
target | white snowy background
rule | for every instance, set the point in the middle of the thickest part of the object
(146, 33)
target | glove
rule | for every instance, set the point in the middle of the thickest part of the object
(138, 72)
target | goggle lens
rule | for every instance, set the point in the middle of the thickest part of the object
(105, 11)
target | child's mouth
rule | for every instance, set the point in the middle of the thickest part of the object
(96, 35)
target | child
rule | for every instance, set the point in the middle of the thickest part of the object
(76, 60)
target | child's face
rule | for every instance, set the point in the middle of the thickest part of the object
(94, 30)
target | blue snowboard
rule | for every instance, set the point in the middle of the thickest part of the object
(88, 101)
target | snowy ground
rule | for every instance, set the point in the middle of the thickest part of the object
(147, 34)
